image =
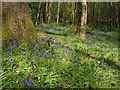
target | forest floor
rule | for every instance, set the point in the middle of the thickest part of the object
(64, 60)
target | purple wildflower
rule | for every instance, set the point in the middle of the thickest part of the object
(65, 80)
(45, 55)
(33, 48)
(23, 50)
(21, 73)
(12, 63)
(85, 82)
(37, 39)
(28, 82)
(14, 43)
(16, 37)
(33, 68)
(29, 40)
(17, 65)
(57, 43)
(45, 84)
(76, 62)
(8, 39)
(92, 66)
(21, 42)
(42, 51)
(28, 74)
(10, 50)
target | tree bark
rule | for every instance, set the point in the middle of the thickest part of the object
(58, 12)
(50, 12)
(82, 29)
(38, 13)
(17, 21)
(117, 12)
(46, 11)
(73, 11)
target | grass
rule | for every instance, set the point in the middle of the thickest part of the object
(62, 59)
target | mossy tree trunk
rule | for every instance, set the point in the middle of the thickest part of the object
(17, 21)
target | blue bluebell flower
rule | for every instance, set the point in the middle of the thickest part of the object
(44, 55)
(59, 62)
(28, 74)
(45, 84)
(29, 40)
(59, 57)
(16, 37)
(109, 65)
(12, 63)
(23, 50)
(8, 39)
(92, 66)
(21, 73)
(10, 50)
(28, 82)
(14, 43)
(21, 42)
(85, 82)
(48, 39)
(65, 80)
(57, 43)
(33, 68)
(34, 47)
(42, 51)
(17, 65)
(76, 62)
(37, 39)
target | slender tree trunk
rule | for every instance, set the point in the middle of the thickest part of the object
(58, 12)
(63, 15)
(116, 10)
(99, 14)
(38, 13)
(17, 21)
(119, 15)
(110, 18)
(94, 13)
(83, 19)
(89, 13)
(46, 11)
(73, 11)
(50, 11)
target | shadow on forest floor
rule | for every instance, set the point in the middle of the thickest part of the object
(109, 38)
(110, 63)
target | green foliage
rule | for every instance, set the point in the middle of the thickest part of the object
(68, 61)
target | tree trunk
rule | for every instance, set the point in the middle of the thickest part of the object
(89, 13)
(58, 12)
(50, 12)
(38, 13)
(73, 11)
(17, 21)
(110, 18)
(116, 10)
(46, 11)
(82, 29)
(94, 13)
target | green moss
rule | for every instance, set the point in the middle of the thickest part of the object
(27, 24)
(5, 28)
(31, 30)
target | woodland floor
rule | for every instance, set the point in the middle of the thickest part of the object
(64, 60)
